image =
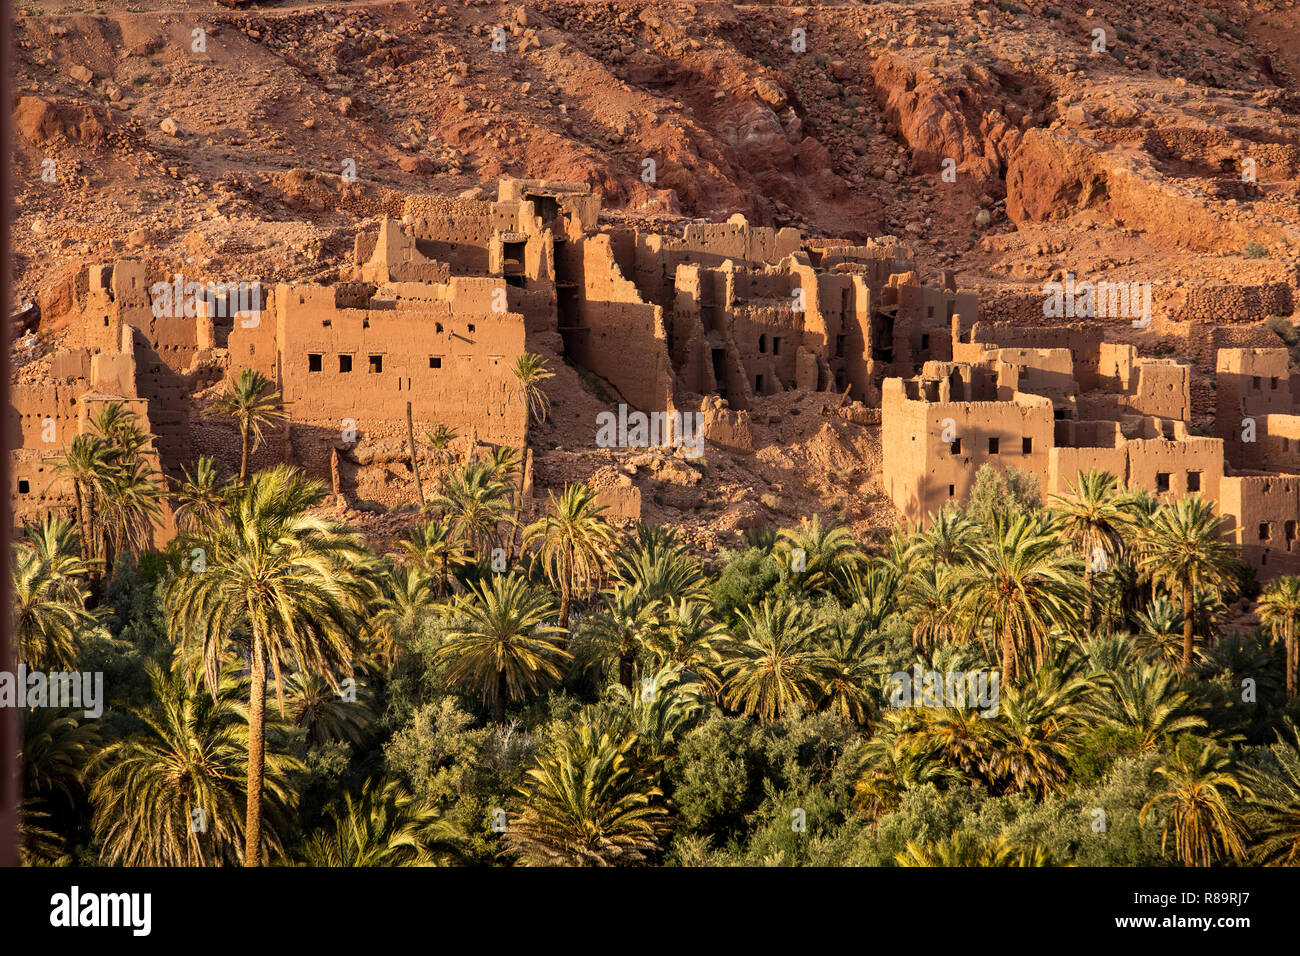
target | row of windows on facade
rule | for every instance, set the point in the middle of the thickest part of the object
(316, 360)
(1162, 477)
(995, 446)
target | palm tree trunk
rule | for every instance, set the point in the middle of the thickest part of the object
(566, 593)
(243, 452)
(499, 704)
(1008, 655)
(1087, 601)
(1188, 625)
(415, 461)
(81, 521)
(1292, 656)
(256, 757)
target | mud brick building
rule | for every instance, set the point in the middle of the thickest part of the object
(437, 305)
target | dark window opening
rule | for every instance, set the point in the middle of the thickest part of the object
(993, 446)
(1265, 530)
(435, 361)
(314, 363)
(345, 363)
(471, 329)
(1255, 382)
(1193, 481)
(776, 346)
(840, 340)
(952, 491)
(1289, 530)
(925, 342)
(1026, 446)
(1162, 481)
(758, 384)
(1273, 383)
(376, 363)
(762, 344)
(23, 486)
(437, 326)
(956, 446)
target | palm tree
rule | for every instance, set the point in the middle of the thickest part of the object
(530, 372)
(49, 605)
(875, 593)
(435, 547)
(620, 632)
(689, 637)
(476, 504)
(658, 567)
(1146, 701)
(573, 544)
(1092, 521)
(498, 641)
(588, 802)
(1160, 631)
(850, 672)
(201, 497)
(1184, 550)
(90, 463)
(1019, 586)
(130, 510)
(440, 439)
(775, 668)
(900, 757)
(949, 540)
(279, 582)
(1033, 737)
(322, 714)
(827, 551)
(1203, 825)
(175, 793)
(1279, 608)
(248, 401)
(930, 602)
(405, 601)
(964, 848)
(1276, 802)
(117, 426)
(383, 826)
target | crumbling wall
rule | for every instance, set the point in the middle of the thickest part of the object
(614, 333)
(1262, 515)
(1250, 384)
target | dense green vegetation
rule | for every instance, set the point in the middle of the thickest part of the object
(564, 692)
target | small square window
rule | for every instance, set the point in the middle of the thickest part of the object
(314, 363)
(1026, 446)
(376, 363)
(435, 361)
(1193, 481)
(345, 363)
(1162, 481)
(1255, 383)
(1265, 530)
(993, 446)
(471, 329)
(437, 326)
(24, 486)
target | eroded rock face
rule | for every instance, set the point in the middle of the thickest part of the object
(42, 121)
(940, 119)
